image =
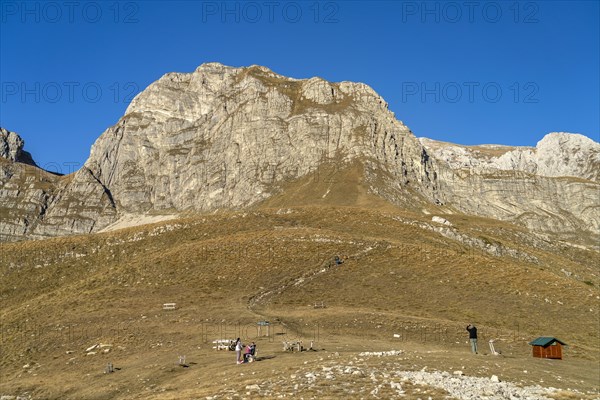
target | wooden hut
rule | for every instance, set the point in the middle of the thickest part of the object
(547, 347)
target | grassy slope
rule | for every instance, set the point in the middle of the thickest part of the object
(226, 271)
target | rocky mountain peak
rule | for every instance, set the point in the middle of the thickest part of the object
(11, 147)
(230, 138)
(231, 134)
(216, 85)
(568, 154)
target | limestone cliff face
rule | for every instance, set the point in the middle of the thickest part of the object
(558, 154)
(25, 190)
(552, 188)
(223, 137)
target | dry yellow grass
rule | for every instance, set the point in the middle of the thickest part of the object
(228, 270)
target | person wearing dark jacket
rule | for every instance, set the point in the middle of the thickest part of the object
(472, 337)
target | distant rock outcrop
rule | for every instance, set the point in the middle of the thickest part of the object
(558, 154)
(228, 138)
(11, 148)
(551, 188)
(25, 190)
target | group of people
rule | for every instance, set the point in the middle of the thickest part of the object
(249, 352)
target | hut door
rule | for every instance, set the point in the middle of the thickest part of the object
(555, 350)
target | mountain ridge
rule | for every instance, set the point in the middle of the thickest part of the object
(557, 154)
(230, 138)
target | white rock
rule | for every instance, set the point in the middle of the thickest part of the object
(91, 348)
(440, 220)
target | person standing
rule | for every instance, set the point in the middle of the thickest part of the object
(472, 337)
(238, 350)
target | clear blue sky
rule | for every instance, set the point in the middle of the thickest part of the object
(494, 72)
